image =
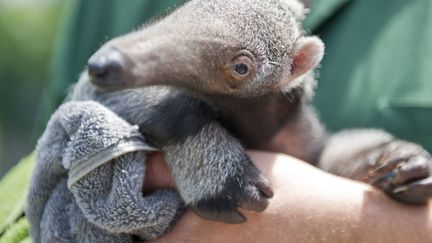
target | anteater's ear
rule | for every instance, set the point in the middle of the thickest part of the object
(308, 54)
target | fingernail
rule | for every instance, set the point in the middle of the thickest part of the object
(400, 189)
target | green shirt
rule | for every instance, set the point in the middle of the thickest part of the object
(377, 71)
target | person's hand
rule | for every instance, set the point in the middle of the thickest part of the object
(157, 173)
(309, 205)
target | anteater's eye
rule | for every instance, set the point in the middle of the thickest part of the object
(242, 66)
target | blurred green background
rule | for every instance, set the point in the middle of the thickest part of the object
(27, 35)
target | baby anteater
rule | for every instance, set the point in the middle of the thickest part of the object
(216, 77)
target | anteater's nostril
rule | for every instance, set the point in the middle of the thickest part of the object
(97, 69)
(106, 67)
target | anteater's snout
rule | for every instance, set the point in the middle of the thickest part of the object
(107, 68)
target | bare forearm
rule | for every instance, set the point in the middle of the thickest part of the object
(313, 206)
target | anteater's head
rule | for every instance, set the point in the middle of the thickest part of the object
(240, 48)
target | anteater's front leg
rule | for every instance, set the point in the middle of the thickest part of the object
(401, 169)
(215, 176)
(212, 172)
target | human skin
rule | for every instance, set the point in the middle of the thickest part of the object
(309, 205)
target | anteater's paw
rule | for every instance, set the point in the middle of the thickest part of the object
(250, 191)
(403, 171)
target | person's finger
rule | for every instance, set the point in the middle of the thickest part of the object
(158, 174)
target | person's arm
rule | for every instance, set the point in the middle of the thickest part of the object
(309, 205)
